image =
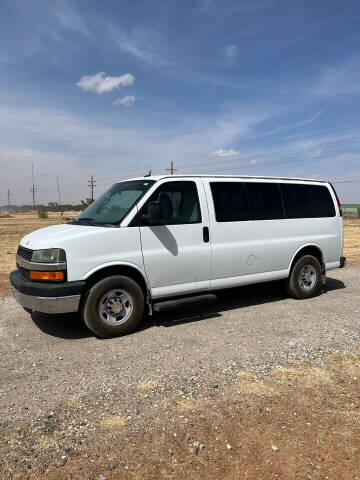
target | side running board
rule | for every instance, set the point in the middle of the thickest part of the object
(163, 306)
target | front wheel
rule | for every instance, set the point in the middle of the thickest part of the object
(114, 306)
(305, 278)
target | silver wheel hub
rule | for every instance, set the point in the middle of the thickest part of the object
(307, 277)
(115, 307)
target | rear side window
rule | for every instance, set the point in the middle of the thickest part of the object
(307, 201)
(265, 201)
(230, 201)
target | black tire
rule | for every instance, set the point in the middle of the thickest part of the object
(296, 287)
(90, 309)
(28, 310)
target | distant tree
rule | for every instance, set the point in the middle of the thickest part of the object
(358, 210)
(42, 212)
(85, 203)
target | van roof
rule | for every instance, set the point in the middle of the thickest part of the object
(160, 177)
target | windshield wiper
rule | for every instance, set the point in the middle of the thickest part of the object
(92, 222)
(87, 220)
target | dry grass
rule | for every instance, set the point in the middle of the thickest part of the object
(187, 405)
(303, 376)
(113, 422)
(352, 240)
(147, 386)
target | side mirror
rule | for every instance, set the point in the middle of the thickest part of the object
(155, 214)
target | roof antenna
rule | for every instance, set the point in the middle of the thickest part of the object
(149, 174)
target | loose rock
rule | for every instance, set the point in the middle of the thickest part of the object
(198, 447)
(60, 462)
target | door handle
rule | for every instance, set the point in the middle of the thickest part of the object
(206, 236)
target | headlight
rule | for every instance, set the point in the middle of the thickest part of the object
(49, 255)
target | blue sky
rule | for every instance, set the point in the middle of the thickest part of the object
(114, 88)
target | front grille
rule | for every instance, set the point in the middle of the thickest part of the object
(24, 273)
(25, 253)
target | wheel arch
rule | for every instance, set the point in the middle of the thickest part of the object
(308, 249)
(127, 269)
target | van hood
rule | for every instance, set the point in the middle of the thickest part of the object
(55, 236)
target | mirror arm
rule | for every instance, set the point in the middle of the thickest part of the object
(146, 219)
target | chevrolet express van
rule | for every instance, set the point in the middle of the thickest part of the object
(161, 242)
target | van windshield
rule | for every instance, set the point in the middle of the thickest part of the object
(113, 205)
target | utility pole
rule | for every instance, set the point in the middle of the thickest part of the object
(171, 169)
(58, 187)
(8, 195)
(33, 185)
(92, 184)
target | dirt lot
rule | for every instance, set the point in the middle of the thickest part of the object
(256, 386)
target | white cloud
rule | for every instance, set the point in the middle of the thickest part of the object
(127, 101)
(294, 126)
(343, 79)
(224, 153)
(99, 83)
(255, 162)
(230, 52)
(146, 45)
(68, 18)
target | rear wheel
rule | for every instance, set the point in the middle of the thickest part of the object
(114, 306)
(305, 278)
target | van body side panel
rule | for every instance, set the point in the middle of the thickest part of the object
(248, 248)
(229, 282)
(179, 289)
(244, 248)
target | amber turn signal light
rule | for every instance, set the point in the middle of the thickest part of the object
(35, 275)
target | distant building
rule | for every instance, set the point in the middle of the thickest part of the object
(353, 211)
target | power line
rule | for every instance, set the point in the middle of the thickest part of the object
(348, 181)
(329, 145)
(345, 145)
(310, 148)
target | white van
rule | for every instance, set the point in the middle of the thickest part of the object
(161, 242)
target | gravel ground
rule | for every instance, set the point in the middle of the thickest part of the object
(44, 360)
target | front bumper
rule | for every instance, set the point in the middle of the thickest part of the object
(46, 297)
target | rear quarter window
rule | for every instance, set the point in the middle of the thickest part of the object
(307, 201)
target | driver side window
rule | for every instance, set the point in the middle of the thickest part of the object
(179, 203)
